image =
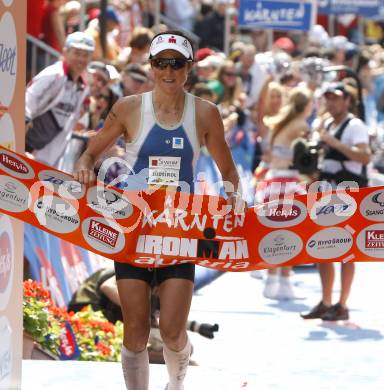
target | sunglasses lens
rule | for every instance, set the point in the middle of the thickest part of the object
(175, 63)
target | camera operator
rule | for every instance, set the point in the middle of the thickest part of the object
(347, 153)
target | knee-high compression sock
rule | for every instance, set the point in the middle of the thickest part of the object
(177, 364)
(135, 369)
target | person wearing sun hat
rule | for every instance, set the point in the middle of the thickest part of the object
(54, 99)
(174, 124)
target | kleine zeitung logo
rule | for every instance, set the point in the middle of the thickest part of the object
(100, 235)
(8, 58)
(374, 238)
(370, 241)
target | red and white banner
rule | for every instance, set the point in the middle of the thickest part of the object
(159, 228)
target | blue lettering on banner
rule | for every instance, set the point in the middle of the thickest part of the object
(277, 14)
(365, 8)
(7, 59)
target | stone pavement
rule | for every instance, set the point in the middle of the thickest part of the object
(262, 344)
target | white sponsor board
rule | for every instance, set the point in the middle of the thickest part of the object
(8, 58)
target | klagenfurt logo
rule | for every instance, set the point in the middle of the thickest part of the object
(6, 260)
(372, 206)
(370, 241)
(280, 246)
(282, 214)
(14, 195)
(15, 166)
(102, 236)
(329, 243)
(8, 58)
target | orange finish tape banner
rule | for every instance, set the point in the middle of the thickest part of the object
(157, 228)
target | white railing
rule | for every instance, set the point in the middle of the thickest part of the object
(39, 55)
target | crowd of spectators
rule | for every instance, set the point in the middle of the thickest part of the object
(253, 85)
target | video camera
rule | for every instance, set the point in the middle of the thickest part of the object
(305, 156)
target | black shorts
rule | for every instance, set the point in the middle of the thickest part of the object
(155, 276)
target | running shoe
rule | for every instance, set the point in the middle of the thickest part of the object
(317, 312)
(336, 313)
(271, 287)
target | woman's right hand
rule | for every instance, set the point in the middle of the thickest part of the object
(84, 172)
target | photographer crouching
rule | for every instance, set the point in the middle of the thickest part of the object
(347, 153)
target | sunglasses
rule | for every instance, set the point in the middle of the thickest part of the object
(230, 74)
(174, 63)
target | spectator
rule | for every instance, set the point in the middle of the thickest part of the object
(138, 47)
(53, 33)
(71, 15)
(229, 78)
(132, 81)
(180, 12)
(346, 158)
(252, 74)
(111, 48)
(54, 100)
(98, 77)
(211, 27)
(281, 180)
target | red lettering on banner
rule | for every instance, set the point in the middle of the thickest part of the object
(103, 233)
(13, 164)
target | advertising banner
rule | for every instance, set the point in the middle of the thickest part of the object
(277, 14)
(12, 89)
(365, 8)
(157, 228)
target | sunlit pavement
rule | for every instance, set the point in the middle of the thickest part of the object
(261, 344)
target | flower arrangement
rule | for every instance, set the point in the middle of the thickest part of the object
(95, 338)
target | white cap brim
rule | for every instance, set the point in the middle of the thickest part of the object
(171, 42)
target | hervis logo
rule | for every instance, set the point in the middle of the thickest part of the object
(15, 166)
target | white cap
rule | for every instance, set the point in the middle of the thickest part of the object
(171, 42)
(80, 40)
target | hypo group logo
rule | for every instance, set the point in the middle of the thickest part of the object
(370, 241)
(280, 246)
(278, 214)
(56, 214)
(8, 58)
(7, 132)
(329, 243)
(6, 343)
(333, 209)
(15, 166)
(372, 206)
(100, 235)
(6, 260)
